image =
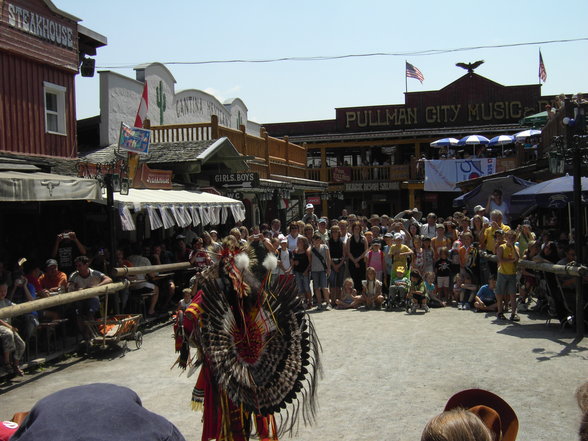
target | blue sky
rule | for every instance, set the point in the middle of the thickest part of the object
(183, 30)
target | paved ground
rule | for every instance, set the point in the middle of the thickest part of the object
(385, 374)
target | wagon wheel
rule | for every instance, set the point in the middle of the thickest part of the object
(138, 339)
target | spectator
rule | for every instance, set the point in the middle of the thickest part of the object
(53, 280)
(276, 228)
(355, 250)
(309, 217)
(525, 235)
(430, 228)
(349, 297)
(417, 293)
(506, 283)
(140, 284)
(86, 277)
(322, 229)
(320, 267)
(486, 297)
(375, 259)
(456, 425)
(488, 240)
(496, 202)
(12, 344)
(371, 292)
(336, 249)
(443, 273)
(292, 236)
(66, 248)
(285, 257)
(301, 267)
(440, 241)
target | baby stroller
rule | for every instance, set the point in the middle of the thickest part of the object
(396, 297)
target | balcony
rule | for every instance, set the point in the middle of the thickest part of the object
(272, 156)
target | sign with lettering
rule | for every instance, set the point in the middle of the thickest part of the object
(444, 174)
(372, 186)
(341, 174)
(134, 139)
(154, 179)
(235, 180)
(471, 100)
(40, 26)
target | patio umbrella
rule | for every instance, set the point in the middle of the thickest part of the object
(521, 136)
(445, 142)
(555, 193)
(538, 119)
(473, 140)
(501, 140)
(479, 196)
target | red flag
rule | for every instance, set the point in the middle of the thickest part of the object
(143, 108)
(542, 71)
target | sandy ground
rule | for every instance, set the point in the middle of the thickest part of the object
(385, 374)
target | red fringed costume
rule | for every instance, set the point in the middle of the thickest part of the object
(256, 347)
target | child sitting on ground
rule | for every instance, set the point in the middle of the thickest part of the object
(468, 293)
(486, 298)
(434, 300)
(417, 292)
(349, 297)
(398, 289)
(371, 295)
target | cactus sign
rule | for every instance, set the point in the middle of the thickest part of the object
(160, 101)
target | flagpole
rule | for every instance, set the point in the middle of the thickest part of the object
(539, 73)
(405, 78)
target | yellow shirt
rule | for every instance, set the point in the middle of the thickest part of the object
(508, 252)
(398, 260)
(489, 236)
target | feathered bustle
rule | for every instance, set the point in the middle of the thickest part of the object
(242, 261)
(270, 262)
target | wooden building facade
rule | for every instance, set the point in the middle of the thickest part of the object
(369, 155)
(41, 49)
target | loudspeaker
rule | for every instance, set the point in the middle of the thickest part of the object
(87, 67)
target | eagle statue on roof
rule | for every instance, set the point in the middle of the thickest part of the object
(470, 66)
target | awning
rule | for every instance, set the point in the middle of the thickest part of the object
(28, 187)
(166, 208)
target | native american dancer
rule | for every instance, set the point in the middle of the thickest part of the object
(257, 350)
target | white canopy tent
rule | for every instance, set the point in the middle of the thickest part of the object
(170, 207)
(30, 187)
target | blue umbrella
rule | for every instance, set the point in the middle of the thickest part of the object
(445, 142)
(555, 193)
(521, 136)
(473, 140)
(501, 140)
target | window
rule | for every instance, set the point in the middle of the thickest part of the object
(54, 108)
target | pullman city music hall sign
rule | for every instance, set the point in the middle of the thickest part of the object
(470, 100)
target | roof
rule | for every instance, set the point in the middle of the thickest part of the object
(396, 134)
(24, 187)
(54, 164)
(171, 152)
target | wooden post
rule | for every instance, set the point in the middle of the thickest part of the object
(245, 151)
(324, 170)
(214, 127)
(61, 299)
(411, 199)
(287, 155)
(266, 154)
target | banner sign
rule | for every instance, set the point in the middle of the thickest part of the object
(341, 174)
(443, 174)
(134, 139)
(154, 179)
(372, 186)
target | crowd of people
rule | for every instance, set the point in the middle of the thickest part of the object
(393, 262)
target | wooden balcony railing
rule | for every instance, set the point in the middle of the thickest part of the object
(272, 155)
(344, 174)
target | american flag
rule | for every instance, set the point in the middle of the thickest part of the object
(413, 72)
(542, 71)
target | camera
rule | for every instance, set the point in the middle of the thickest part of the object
(65, 236)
